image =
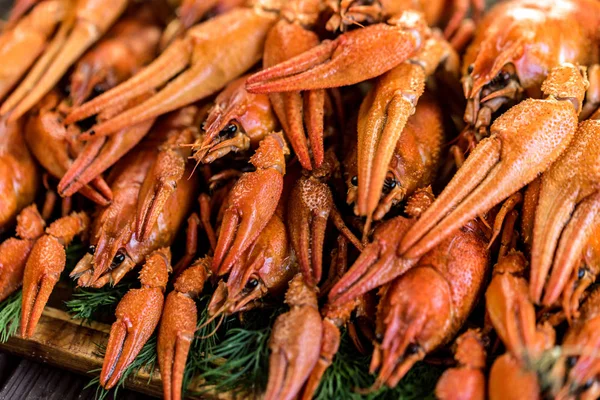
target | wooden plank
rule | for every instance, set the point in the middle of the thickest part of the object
(31, 380)
(66, 343)
(34, 381)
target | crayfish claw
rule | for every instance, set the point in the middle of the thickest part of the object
(44, 266)
(178, 325)
(295, 342)
(138, 314)
(566, 215)
(376, 265)
(42, 271)
(347, 59)
(250, 204)
(15, 252)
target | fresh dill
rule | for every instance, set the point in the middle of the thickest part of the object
(86, 303)
(10, 315)
(74, 253)
(350, 371)
(238, 363)
(203, 344)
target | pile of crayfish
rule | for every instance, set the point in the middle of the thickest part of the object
(421, 189)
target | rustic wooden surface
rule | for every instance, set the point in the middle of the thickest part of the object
(28, 380)
(71, 345)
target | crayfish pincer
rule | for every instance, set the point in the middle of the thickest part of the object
(424, 308)
(294, 348)
(251, 203)
(524, 142)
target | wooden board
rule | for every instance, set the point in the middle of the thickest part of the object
(69, 344)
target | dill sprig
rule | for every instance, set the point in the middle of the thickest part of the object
(74, 253)
(238, 363)
(350, 370)
(145, 360)
(10, 315)
(86, 303)
(203, 344)
(236, 358)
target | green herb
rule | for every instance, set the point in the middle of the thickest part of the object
(74, 253)
(204, 343)
(350, 371)
(86, 303)
(10, 315)
(239, 362)
(145, 360)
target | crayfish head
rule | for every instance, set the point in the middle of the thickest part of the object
(491, 80)
(237, 121)
(225, 302)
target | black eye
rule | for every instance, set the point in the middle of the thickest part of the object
(588, 384)
(411, 349)
(228, 130)
(571, 361)
(68, 90)
(470, 69)
(581, 273)
(91, 249)
(119, 258)
(252, 283)
(354, 180)
(389, 184)
(98, 90)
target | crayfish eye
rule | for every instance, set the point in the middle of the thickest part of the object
(91, 249)
(470, 69)
(389, 183)
(97, 90)
(571, 361)
(354, 180)
(412, 348)
(588, 384)
(502, 77)
(581, 273)
(119, 258)
(252, 283)
(229, 130)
